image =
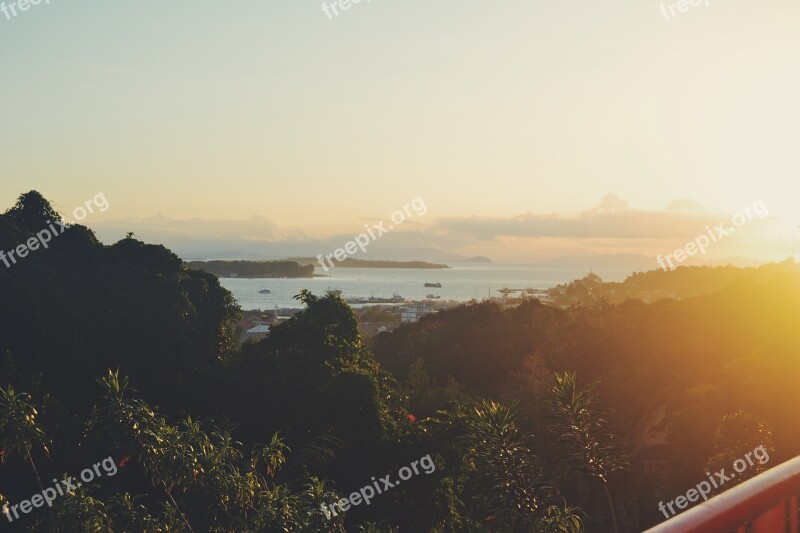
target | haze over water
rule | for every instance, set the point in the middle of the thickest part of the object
(462, 282)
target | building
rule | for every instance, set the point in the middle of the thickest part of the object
(414, 312)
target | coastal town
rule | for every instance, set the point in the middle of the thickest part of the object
(377, 315)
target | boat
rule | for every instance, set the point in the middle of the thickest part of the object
(265, 291)
(432, 297)
(436, 285)
(505, 291)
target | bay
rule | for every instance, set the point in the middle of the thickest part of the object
(461, 283)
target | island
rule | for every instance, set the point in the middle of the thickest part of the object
(254, 269)
(362, 263)
(476, 259)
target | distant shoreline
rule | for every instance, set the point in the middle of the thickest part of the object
(254, 269)
(295, 268)
(362, 263)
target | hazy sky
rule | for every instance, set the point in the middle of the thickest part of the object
(497, 110)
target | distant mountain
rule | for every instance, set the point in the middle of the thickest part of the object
(475, 259)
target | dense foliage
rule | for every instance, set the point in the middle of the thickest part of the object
(125, 352)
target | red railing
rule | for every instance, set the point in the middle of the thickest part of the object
(768, 503)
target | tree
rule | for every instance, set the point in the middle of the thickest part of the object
(737, 434)
(19, 430)
(314, 376)
(516, 494)
(207, 482)
(588, 447)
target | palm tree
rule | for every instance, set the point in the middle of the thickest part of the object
(511, 476)
(557, 519)
(207, 481)
(582, 431)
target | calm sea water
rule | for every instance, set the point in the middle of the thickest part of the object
(461, 282)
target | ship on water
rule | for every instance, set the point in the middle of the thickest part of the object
(395, 299)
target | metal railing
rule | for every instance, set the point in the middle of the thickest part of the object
(768, 503)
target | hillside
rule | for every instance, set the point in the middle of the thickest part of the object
(254, 269)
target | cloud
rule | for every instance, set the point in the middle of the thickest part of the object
(612, 227)
(612, 203)
(612, 218)
(256, 228)
(260, 238)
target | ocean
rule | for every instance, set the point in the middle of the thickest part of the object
(462, 282)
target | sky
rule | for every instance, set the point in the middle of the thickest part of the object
(267, 128)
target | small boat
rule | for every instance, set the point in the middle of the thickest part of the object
(432, 297)
(265, 291)
(436, 285)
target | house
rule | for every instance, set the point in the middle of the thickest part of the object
(414, 312)
(255, 333)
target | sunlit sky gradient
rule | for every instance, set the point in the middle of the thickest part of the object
(234, 110)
